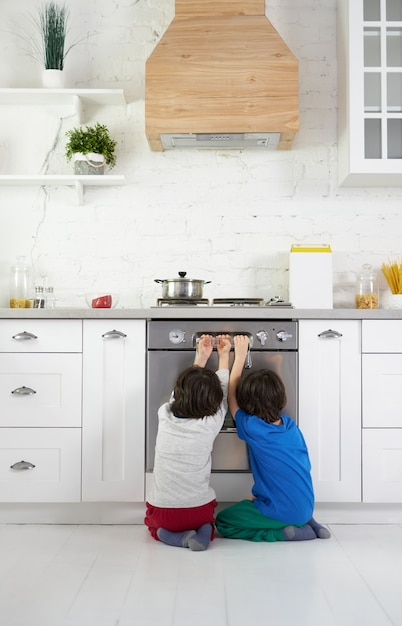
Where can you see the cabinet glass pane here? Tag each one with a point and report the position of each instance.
(372, 139)
(372, 91)
(394, 10)
(394, 136)
(394, 92)
(394, 47)
(371, 10)
(372, 47)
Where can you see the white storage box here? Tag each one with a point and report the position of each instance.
(310, 276)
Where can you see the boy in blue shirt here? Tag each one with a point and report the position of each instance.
(281, 508)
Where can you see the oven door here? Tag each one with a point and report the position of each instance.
(229, 452)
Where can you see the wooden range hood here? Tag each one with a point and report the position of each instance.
(221, 76)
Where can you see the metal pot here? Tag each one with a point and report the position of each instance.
(182, 288)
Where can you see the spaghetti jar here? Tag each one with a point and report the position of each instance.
(20, 285)
(367, 288)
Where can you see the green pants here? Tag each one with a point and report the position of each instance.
(244, 521)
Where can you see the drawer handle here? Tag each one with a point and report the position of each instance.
(330, 334)
(22, 465)
(24, 336)
(23, 391)
(114, 334)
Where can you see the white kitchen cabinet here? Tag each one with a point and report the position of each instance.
(370, 92)
(114, 411)
(382, 410)
(40, 410)
(330, 406)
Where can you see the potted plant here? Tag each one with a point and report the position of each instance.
(51, 48)
(92, 148)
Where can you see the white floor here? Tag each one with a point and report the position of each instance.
(53, 575)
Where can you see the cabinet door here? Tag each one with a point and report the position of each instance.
(40, 465)
(369, 89)
(330, 406)
(114, 410)
(382, 465)
(381, 390)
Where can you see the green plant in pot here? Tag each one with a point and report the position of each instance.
(48, 43)
(91, 147)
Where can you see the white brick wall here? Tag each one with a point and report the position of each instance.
(228, 217)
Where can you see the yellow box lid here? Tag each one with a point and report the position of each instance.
(310, 247)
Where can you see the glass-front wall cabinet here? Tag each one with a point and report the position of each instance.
(370, 93)
(382, 45)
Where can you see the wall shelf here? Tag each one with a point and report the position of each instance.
(57, 180)
(77, 98)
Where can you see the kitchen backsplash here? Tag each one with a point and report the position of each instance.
(225, 217)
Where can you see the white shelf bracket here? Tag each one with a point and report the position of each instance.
(79, 188)
(78, 108)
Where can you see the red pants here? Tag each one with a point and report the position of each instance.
(177, 520)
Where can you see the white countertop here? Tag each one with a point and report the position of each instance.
(194, 312)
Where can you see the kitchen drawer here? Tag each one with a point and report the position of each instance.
(382, 336)
(381, 390)
(55, 454)
(40, 335)
(49, 390)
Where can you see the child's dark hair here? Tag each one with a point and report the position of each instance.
(262, 393)
(197, 393)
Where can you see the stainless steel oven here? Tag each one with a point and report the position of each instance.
(171, 348)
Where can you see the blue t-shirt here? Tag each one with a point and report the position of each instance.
(281, 467)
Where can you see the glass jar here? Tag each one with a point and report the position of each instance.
(20, 285)
(367, 293)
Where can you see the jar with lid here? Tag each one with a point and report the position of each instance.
(367, 293)
(20, 285)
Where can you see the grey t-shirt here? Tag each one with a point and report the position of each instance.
(183, 456)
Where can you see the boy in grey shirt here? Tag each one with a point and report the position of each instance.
(180, 510)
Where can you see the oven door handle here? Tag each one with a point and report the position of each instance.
(197, 336)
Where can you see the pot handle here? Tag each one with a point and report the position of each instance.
(158, 280)
(206, 282)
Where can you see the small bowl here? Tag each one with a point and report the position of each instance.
(102, 300)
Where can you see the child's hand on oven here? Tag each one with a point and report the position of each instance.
(223, 344)
(204, 350)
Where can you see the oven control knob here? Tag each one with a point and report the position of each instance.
(177, 336)
(283, 335)
(262, 336)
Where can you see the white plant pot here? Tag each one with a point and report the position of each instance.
(91, 163)
(53, 79)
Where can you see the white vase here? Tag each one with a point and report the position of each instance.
(53, 79)
(395, 301)
(91, 163)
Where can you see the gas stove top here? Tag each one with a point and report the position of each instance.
(223, 302)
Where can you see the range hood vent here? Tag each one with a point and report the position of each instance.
(265, 141)
(221, 77)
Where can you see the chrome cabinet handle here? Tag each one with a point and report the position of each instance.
(114, 334)
(329, 334)
(24, 336)
(22, 465)
(23, 391)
